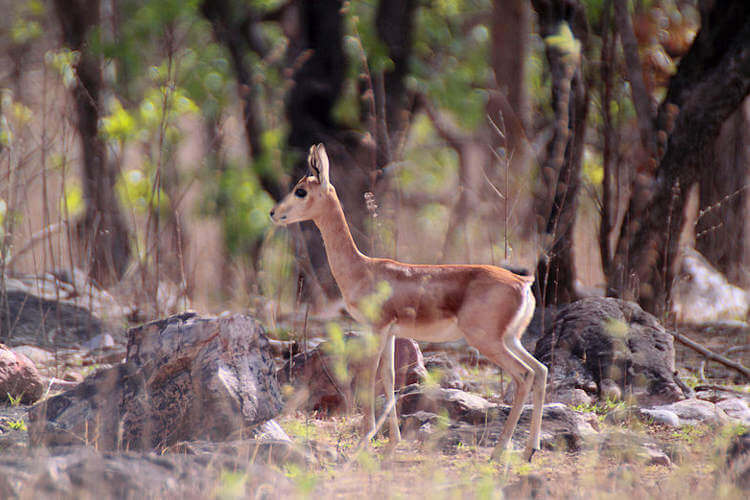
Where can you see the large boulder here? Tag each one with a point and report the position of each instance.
(49, 312)
(609, 347)
(472, 420)
(327, 380)
(19, 378)
(184, 378)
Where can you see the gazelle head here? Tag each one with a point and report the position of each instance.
(305, 200)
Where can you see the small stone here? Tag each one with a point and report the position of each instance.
(664, 417)
(19, 377)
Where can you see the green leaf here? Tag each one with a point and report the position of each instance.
(565, 42)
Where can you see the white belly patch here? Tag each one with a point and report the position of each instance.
(445, 330)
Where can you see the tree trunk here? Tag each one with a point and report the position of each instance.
(102, 230)
(711, 82)
(317, 85)
(723, 230)
(562, 165)
(394, 22)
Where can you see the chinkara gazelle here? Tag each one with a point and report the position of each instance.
(488, 306)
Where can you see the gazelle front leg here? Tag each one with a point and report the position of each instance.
(387, 346)
(389, 377)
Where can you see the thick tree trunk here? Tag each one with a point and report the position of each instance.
(712, 81)
(102, 230)
(395, 26)
(562, 165)
(723, 230)
(317, 86)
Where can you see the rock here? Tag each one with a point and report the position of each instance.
(100, 342)
(29, 319)
(563, 429)
(609, 347)
(575, 397)
(695, 411)
(448, 372)
(58, 385)
(13, 435)
(266, 451)
(420, 425)
(409, 363)
(627, 447)
(83, 472)
(663, 417)
(702, 294)
(19, 377)
(459, 405)
(185, 378)
(736, 409)
(37, 355)
(321, 387)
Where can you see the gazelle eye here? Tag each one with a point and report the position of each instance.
(300, 193)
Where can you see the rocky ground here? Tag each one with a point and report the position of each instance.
(200, 407)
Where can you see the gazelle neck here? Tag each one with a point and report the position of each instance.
(344, 258)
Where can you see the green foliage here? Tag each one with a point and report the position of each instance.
(63, 61)
(601, 408)
(592, 169)
(71, 203)
(14, 116)
(231, 485)
(14, 400)
(235, 195)
(17, 425)
(449, 66)
(136, 190)
(304, 480)
(566, 43)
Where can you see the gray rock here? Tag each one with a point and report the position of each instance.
(737, 409)
(628, 447)
(185, 378)
(563, 429)
(695, 411)
(83, 472)
(609, 347)
(664, 417)
(29, 319)
(459, 405)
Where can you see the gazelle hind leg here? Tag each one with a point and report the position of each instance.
(539, 388)
(368, 421)
(523, 378)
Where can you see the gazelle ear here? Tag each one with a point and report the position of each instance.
(317, 161)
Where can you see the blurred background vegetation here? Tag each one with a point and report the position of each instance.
(145, 141)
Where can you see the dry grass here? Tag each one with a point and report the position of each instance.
(422, 470)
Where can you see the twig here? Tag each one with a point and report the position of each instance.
(710, 354)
